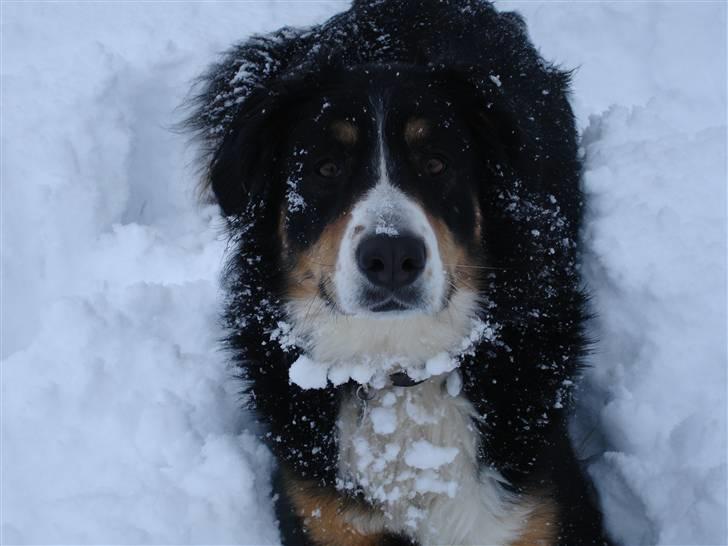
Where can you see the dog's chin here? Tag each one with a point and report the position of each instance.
(417, 332)
(388, 304)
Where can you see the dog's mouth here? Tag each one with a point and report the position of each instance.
(377, 301)
(389, 306)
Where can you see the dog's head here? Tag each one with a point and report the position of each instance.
(386, 187)
(375, 177)
(396, 180)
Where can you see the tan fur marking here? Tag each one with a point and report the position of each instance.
(326, 515)
(416, 129)
(317, 263)
(345, 132)
(461, 270)
(542, 526)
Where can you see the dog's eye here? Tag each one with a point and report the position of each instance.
(435, 166)
(328, 169)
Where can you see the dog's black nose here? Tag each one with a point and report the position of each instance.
(391, 262)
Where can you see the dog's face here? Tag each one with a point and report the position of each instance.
(380, 225)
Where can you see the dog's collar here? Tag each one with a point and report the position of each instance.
(401, 379)
(397, 379)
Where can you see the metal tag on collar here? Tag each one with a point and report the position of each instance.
(363, 393)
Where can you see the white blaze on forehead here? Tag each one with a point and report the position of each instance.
(387, 210)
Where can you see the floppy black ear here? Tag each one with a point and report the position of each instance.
(497, 130)
(238, 115)
(242, 165)
(487, 110)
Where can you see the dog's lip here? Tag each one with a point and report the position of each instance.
(389, 305)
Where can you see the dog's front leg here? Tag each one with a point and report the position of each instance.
(310, 515)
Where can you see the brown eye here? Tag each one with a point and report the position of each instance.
(435, 166)
(328, 169)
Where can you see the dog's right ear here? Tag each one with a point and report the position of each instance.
(238, 116)
(241, 166)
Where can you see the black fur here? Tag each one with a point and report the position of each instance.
(522, 386)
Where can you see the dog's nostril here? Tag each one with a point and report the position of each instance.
(375, 265)
(391, 262)
(408, 265)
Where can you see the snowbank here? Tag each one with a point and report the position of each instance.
(658, 248)
(650, 91)
(119, 423)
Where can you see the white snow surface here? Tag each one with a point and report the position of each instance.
(120, 422)
(425, 455)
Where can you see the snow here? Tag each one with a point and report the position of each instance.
(373, 369)
(454, 384)
(120, 421)
(429, 481)
(284, 336)
(661, 363)
(384, 420)
(386, 230)
(295, 200)
(425, 455)
(120, 424)
(308, 374)
(440, 363)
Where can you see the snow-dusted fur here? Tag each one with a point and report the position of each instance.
(348, 338)
(392, 448)
(491, 450)
(351, 333)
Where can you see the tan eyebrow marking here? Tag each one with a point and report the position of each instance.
(416, 129)
(345, 131)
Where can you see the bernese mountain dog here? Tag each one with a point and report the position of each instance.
(401, 188)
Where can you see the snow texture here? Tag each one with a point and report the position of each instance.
(308, 374)
(375, 370)
(424, 455)
(120, 421)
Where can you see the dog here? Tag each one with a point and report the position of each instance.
(401, 187)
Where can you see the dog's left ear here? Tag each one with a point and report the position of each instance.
(492, 122)
(497, 130)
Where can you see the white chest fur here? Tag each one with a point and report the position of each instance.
(413, 452)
